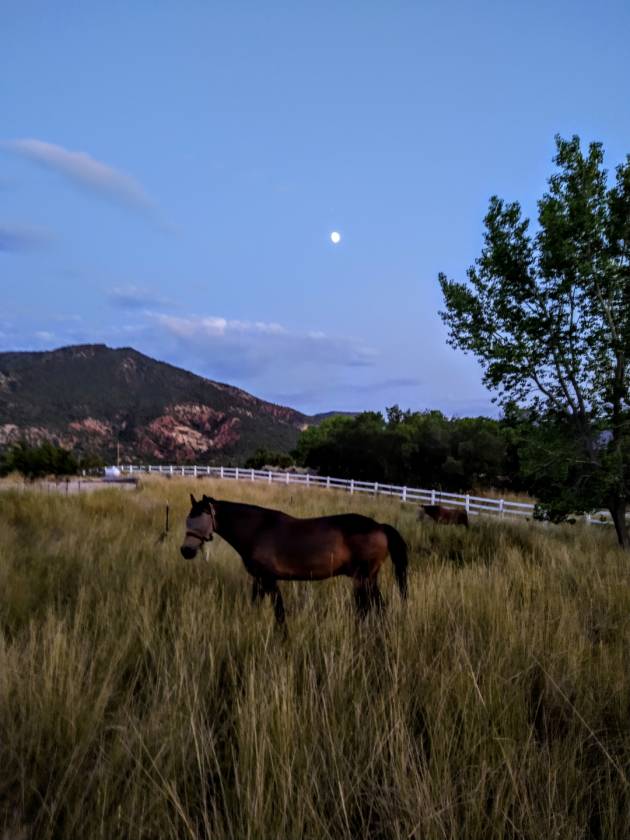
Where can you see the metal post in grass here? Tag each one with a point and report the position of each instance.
(252, 475)
(404, 494)
(328, 482)
(164, 533)
(352, 485)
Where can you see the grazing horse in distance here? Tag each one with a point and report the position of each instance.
(275, 546)
(439, 513)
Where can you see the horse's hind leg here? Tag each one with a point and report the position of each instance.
(374, 596)
(361, 601)
(367, 596)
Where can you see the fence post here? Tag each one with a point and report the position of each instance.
(376, 488)
(467, 503)
(432, 497)
(182, 470)
(221, 473)
(252, 475)
(195, 470)
(171, 470)
(288, 478)
(269, 477)
(308, 477)
(328, 482)
(588, 519)
(352, 485)
(404, 494)
(236, 473)
(501, 508)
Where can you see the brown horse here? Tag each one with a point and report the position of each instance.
(275, 546)
(438, 513)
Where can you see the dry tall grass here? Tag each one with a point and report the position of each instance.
(142, 697)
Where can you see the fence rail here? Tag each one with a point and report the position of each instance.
(474, 505)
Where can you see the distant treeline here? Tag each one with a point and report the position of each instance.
(423, 449)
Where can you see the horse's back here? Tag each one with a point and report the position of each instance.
(320, 547)
(351, 523)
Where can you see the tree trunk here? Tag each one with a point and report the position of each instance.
(618, 513)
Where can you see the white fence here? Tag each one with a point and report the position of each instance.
(473, 504)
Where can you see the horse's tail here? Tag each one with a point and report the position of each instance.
(398, 552)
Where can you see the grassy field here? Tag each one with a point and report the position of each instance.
(141, 696)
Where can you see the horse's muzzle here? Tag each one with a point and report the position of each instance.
(188, 552)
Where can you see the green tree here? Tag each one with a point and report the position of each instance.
(266, 457)
(548, 316)
(422, 449)
(38, 461)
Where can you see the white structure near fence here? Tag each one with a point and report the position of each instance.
(472, 504)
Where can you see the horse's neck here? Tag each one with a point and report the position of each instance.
(237, 524)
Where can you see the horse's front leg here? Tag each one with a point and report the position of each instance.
(271, 589)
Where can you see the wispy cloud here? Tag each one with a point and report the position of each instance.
(23, 238)
(257, 349)
(136, 297)
(82, 170)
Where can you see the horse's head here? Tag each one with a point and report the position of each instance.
(200, 525)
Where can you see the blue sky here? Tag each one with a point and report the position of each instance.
(170, 174)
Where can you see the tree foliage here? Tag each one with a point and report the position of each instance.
(548, 316)
(409, 448)
(268, 458)
(38, 461)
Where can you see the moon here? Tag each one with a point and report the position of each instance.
(335, 237)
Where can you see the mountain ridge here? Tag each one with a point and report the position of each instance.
(91, 397)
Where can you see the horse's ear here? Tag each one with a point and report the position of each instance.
(192, 499)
